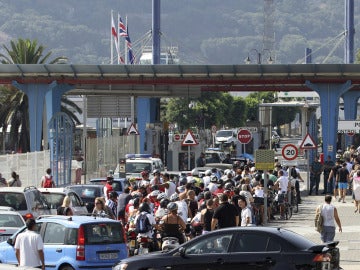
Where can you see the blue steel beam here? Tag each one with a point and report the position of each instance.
(329, 100)
(350, 110)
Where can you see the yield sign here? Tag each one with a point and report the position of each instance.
(189, 139)
(132, 130)
(308, 142)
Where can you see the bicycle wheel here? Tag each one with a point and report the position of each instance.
(294, 204)
(288, 211)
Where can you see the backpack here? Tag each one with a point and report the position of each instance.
(48, 182)
(293, 173)
(319, 220)
(143, 224)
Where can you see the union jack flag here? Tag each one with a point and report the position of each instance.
(122, 28)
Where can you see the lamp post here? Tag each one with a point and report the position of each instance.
(259, 56)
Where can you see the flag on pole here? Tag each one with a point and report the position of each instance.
(129, 46)
(122, 28)
(115, 35)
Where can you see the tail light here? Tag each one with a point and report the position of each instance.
(326, 257)
(27, 216)
(80, 249)
(144, 240)
(132, 235)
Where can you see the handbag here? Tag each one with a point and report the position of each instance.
(319, 220)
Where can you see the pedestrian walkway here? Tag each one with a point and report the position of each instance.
(303, 223)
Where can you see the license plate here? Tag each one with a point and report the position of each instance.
(132, 243)
(325, 266)
(108, 256)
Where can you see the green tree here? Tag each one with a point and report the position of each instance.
(14, 109)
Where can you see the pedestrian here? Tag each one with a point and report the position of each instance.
(328, 165)
(246, 216)
(108, 188)
(14, 181)
(200, 161)
(112, 203)
(3, 182)
(47, 180)
(333, 185)
(356, 190)
(342, 179)
(101, 209)
(330, 216)
(316, 169)
(65, 208)
(283, 186)
(78, 169)
(226, 215)
(123, 200)
(29, 247)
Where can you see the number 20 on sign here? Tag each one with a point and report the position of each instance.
(290, 152)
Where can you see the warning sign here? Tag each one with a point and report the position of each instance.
(189, 139)
(132, 130)
(308, 142)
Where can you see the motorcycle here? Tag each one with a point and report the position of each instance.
(169, 243)
(131, 237)
(143, 245)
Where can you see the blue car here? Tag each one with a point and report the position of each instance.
(75, 242)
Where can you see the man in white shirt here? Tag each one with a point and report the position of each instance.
(29, 247)
(246, 216)
(283, 185)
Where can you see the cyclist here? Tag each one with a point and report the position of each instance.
(282, 185)
(294, 174)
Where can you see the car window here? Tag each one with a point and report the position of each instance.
(37, 201)
(75, 201)
(251, 242)
(15, 221)
(14, 200)
(54, 233)
(213, 244)
(117, 186)
(103, 233)
(54, 200)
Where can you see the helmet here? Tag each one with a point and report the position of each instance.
(195, 172)
(144, 207)
(164, 202)
(172, 206)
(208, 172)
(213, 179)
(156, 171)
(258, 177)
(228, 186)
(155, 193)
(183, 181)
(161, 196)
(174, 197)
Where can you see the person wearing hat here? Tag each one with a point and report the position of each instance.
(29, 247)
(108, 187)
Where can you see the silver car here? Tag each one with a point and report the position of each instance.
(10, 222)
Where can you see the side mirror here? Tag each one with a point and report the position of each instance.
(10, 242)
(182, 251)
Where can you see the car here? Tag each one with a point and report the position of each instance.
(55, 197)
(118, 184)
(242, 248)
(214, 155)
(75, 242)
(136, 163)
(28, 201)
(10, 222)
(226, 138)
(88, 193)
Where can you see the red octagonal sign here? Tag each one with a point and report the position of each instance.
(244, 136)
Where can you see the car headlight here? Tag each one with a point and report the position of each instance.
(121, 266)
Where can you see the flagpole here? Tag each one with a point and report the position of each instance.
(126, 49)
(111, 40)
(118, 36)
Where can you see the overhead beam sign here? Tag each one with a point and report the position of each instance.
(345, 126)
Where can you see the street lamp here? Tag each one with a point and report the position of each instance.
(259, 56)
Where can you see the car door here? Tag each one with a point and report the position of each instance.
(253, 250)
(54, 243)
(77, 204)
(205, 254)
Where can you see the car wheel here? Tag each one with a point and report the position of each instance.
(66, 267)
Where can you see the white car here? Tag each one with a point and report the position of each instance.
(10, 222)
(55, 197)
(225, 137)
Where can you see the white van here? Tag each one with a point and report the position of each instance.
(225, 137)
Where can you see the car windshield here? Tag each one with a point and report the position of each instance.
(224, 133)
(14, 200)
(137, 167)
(14, 221)
(103, 233)
(54, 200)
(87, 192)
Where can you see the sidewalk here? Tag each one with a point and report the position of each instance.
(303, 223)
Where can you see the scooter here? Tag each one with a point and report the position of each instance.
(169, 243)
(131, 236)
(143, 244)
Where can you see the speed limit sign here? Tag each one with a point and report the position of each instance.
(289, 152)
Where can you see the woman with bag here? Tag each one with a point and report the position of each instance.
(330, 216)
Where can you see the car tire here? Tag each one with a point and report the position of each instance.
(66, 267)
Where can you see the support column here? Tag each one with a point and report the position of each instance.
(350, 110)
(329, 100)
(36, 95)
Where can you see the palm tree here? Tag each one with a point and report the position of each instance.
(14, 103)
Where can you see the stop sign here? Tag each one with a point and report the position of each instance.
(244, 136)
(177, 137)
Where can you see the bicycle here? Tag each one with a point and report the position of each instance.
(294, 200)
(288, 211)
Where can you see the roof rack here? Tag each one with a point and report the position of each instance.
(29, 188)
(69, 218)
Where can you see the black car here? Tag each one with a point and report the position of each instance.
(247, 248)
(88, 193)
